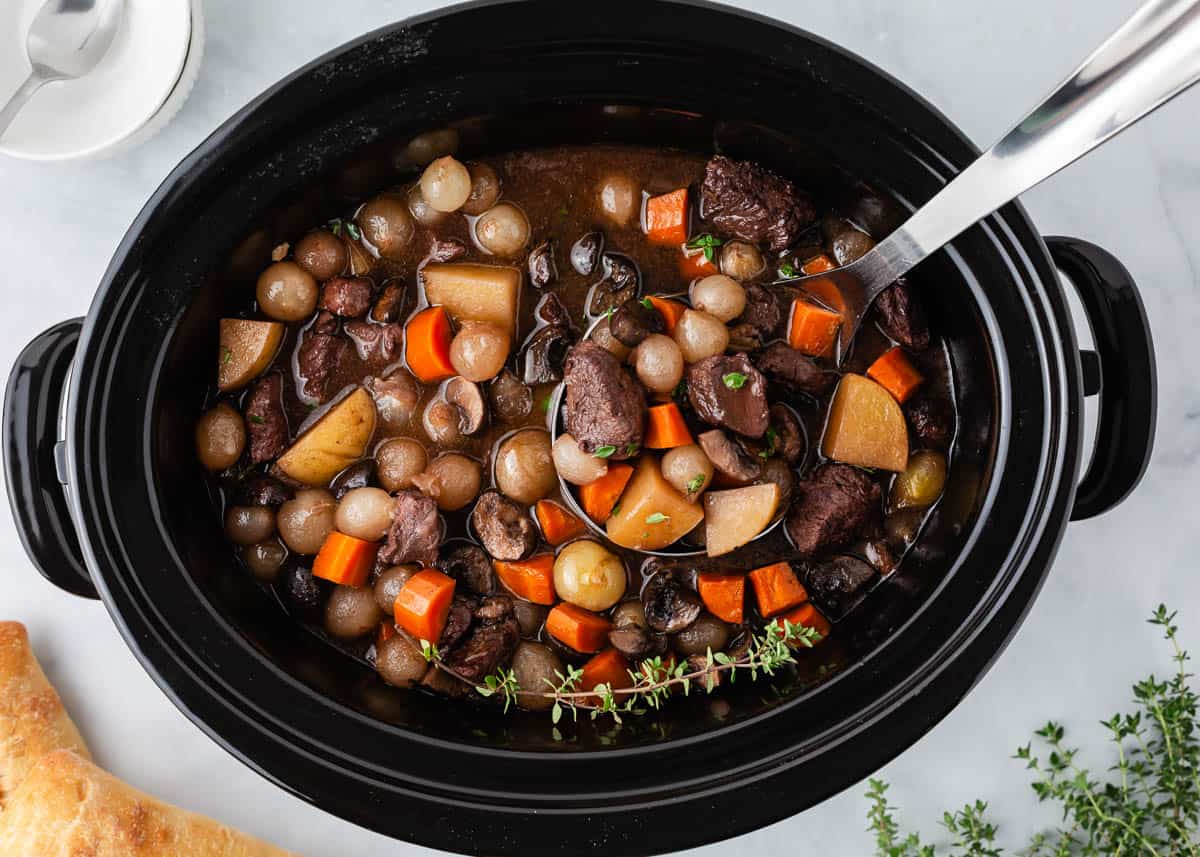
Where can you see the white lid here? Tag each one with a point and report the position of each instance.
(93, 114)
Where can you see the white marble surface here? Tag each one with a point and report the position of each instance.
(982, 63)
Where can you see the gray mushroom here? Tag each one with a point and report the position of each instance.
(468, 398)
(728, 457)
(670, 606)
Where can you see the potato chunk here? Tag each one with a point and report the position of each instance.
(651, 514)
(488, 293)
(247, 349)
(338, 439)
(866, 427)
(734, 517)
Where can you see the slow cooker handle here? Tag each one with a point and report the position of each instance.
(1128, 387)
(33, 458)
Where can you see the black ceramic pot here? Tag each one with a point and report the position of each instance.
(118, 509)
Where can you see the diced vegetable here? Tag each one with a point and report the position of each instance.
(423, 604)
(580, 629)
(813, 330)
(666, 428)
(921, 482)
(670, 310)
(427, 339)
(589, 575)
(651, 514)
(896, 374)
(598, 498)
(345, 559)
(819, 264)
(338, 439)
(693, 264)
(469, 292)
(608, 668)
(865, 426)
(776, 588)
(667, 217)
(247, 349)
(736, 516)
(531, 579)
(724, 595)
(558, 525)
(807, 616)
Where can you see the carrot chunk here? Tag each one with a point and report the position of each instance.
(344, 559)
(819, 264)
(610, 668)
(666, 217)
(427, 345)
(693, 265)
(558, 525)
(423, 604)
(776, 588)
(666, 428)
(531, 579)
(809, 617)
(670, 310)
(895, 373)
(812, 330)
(580, 629)
(724, 595)
(599, 497)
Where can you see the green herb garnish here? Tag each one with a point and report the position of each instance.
(787, 271)
(546, 405)
(335, 226)
(695, 483)
(429, 650)
(604, 451)
(352, 230)
(680, 390)
(631, 449)
(256, 419)
(657, 518)
(735, 380)
(226, 356)
(772, 437)
(647, 303)
(706, 243)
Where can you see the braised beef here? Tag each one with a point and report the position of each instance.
(545, 354)
(440, 681)
(606, 407)
(832, 506)
(266, 423)
(550, 310)
(470, 566)
(931, 420)
(390, 303)
(361, 474)
(633, 321)
(727, 391)
(495, 608)
(542, 270)
(762, 313)
(585, 253)
(741, 198)
(789, 441)
(622, 281)
(902, 316)
(263, 491)
(348, 297)
(415, 530)
(728, 457)
(446, 250)
(785, 364)
(838, 584)
(380, 342)
(488, 646)
(670, 606)
(504, 527)
(321, 351)
(458, 621)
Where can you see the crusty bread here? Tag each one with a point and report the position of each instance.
(67, 807)
(33, 721)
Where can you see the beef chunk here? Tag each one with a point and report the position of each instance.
(542, 270)
(790, 442)
(728, 457)
(550, 309)
(504, 527)
(415, 530)
(376, 341)
(743, 199)
(495, 608)
(263, 491)
(838, 584)
(605, 405)
(762, 313)
(440, 681)
(469, 565)
(348, 297)
(634, 321)
(931, 419)
(321, 351)
(458, 621)
(729, 392)
(832, 506)
(902, 316)
(446, 250)
(787, 365)
(266, 421)
(390, 303)
(490, 645)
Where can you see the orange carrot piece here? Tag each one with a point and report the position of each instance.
(423, 604)
(812, 330)
(580, 629)
(666, 217)
(724, 595)
(427, 345)
(344, 559)
(610, 668)
(531, 579)
(693, 265)
(808, 616)
(820, 264)
(558, 525)
(666, 428)
(670, 310)
(599, 497)
(776, 588)
(387, 630)
(896, 374)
